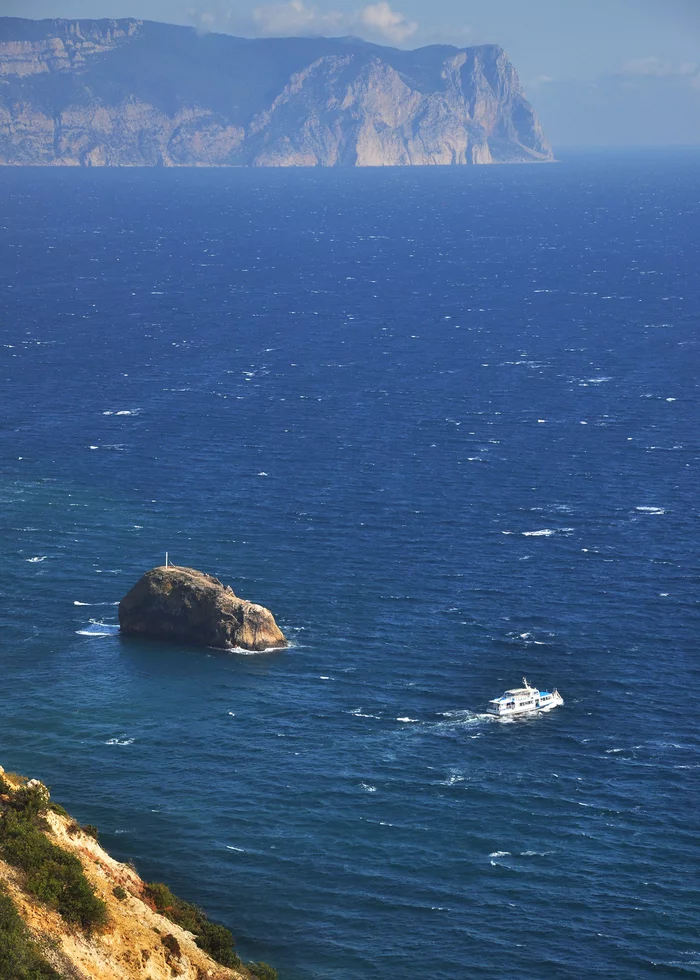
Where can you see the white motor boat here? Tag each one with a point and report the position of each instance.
(525, 700)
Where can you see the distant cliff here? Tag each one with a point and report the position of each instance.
(136, 93)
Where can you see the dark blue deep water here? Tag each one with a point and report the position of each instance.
(445, 424)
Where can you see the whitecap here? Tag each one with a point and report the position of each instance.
(230, 847)
(407, 719)
(232, 713)
(547, 532)
(76, 603)
(499, 854)
(119, 741)
(97, 628)
(368, 788)
(651, 510)
(40, 558)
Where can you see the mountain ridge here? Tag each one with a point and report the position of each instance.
(140, 93)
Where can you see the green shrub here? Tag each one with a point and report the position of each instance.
(30, 800)
(91, 830)
(214, 939)
(263, 971)
(19, 957)
(119, 893)
(5, 786)
(57, 808)
(53, 875)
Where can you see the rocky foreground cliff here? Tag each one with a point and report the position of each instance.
(137, 93)
(69, 911)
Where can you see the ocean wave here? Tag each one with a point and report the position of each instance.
(499, 854)
(547, 532)
(37, 559)
(406, 719)
(650, 510)
(122, 740)
(97, 628)
(368, 788)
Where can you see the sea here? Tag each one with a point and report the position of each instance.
(445, 424)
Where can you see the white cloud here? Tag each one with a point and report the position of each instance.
(295, 18)
(657, 68)
(380, 18)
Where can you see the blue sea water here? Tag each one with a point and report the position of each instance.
(445, 424)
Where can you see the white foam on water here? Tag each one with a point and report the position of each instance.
(249, 653)
(650, 510)
(96, 628)
(547, 532)
(119, 741)
(232, 714)
(407, 719)
(359, 714)
(368, 788)
(93, 447)
(38, 558)
(230, 847)
(76, 603)
(452, 780)
(499, 854)
(263, 473)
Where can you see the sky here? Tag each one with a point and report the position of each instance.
(568, 52)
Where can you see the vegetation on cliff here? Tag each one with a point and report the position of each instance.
(20, 958)
(52, 875)
(67, 909)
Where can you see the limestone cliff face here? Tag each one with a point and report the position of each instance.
(133, 93)
(182, 604)
(136, 943)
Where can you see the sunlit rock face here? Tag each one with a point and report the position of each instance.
(133, 93)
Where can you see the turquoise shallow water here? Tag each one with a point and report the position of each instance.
(445, 425)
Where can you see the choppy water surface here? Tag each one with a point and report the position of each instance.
(445, 424)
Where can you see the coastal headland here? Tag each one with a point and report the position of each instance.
(133, 93)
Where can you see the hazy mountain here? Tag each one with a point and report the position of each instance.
(134, 93)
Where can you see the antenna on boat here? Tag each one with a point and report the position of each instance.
(525, 683)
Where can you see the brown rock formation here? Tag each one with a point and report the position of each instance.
(174, 603)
